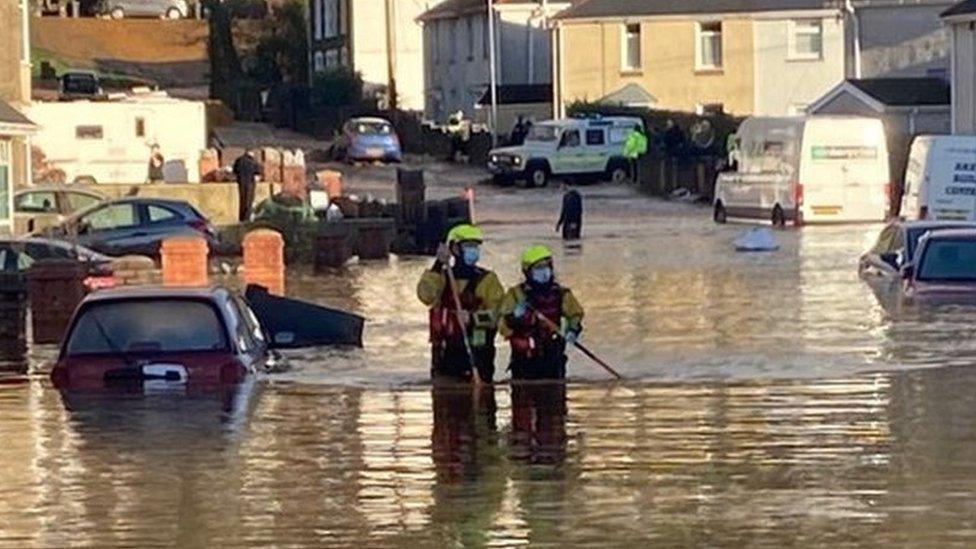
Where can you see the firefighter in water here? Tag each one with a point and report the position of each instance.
(539, 317)
(479, 293)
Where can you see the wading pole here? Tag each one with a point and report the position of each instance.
(579, 346)
(475, 376)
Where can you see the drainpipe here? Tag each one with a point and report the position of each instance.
(493, 77)
(849, 8)
(530, 54)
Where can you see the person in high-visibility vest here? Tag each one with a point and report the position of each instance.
(635, 146)
(480, 293)
(539, 317)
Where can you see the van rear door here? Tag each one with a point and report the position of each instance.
(844, 171)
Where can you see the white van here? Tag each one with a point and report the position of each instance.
(568, 147)
(940, 180)
(814, 169)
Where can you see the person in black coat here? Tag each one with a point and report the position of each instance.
(245, 169)
(571, 216)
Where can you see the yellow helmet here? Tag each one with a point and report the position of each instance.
(465, 233)
(534, 254)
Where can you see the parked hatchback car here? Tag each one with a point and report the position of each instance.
(368, 139)
(896, 245)
(37, 208)
(170, 9)
(134, 226)
(161, 338)
(19, 254)
(944, 268)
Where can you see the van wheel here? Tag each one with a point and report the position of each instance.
(618, 174)
(174, 13)
(117, 13)
(720, 216)
(779, 218)
(537, 175)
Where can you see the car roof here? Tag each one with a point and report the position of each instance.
(208, 293)
(933, 224)
(370, 119)
(951, 233)
(58, 188)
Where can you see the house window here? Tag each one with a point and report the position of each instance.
(470, 36)
(88, 132)
(331, 59)
(631, 47)
(485, 45)
(806, 39)
(452, 42)
(709, 45)
(331, 18)
(318, 62)
(140, 126)
(317, 17)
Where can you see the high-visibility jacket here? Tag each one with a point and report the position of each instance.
(556, 303)
(480, 293)
(635, 145)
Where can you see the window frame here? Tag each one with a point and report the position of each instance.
(89, 132)
(596, 131)
(700, 35)
(625, 36)
(794, 29)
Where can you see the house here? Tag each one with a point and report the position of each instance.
(380, 39)
(961, 20)
(907, 107)
(767, 57)
(15, 84)
(457, 51)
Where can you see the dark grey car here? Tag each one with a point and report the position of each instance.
(134, 226)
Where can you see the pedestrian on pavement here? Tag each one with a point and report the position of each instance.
(539, 317)
(156, 162)
(635, 146)
(571, 215)
(479, 292)
(245, 170)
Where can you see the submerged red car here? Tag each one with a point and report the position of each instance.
(944, 269)
(161, 338)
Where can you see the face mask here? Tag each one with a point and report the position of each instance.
(542, 275)
(470, 255)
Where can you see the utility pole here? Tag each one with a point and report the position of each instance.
(493, 77)
(391, 87)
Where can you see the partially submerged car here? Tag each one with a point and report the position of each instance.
(160, 336)
(183, 339)
(20, 254)
(896, 246)
(944, 268)
(367, 138)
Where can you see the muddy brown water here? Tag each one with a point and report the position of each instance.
(771, 401)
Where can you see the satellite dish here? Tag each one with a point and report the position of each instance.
(702, 134)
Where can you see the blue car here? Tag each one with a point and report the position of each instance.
(133, 226)
(367, 139)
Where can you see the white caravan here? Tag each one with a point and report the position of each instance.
(110, 141)
(814, 169)
(940, 180)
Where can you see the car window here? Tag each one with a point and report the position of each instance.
(147, 325)
(80, 201)
(542, 132)
(571, 138)
(158, 214)
(950, 260)
(114, 216)
(36, 202)
(595, 137)
(40, 250)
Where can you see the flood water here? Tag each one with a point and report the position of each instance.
(772, 400)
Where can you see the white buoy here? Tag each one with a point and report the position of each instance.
(759, 239)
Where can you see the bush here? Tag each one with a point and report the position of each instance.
(337, 87)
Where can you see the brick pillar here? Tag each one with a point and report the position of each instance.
(133, 270)
(332, 181)
(184, 261)
(264, 260)
(55, 287)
